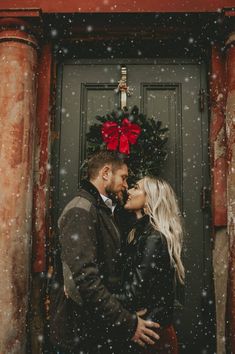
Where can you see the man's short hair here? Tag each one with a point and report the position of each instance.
(102, 158)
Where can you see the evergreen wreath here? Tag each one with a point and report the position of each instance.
(140, 139)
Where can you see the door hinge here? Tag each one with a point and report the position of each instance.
(202, 100)
(55, 135)
(205, 197)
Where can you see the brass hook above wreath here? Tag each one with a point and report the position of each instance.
(123, 88)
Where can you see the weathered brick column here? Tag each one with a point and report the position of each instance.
(219, 189)
(18, 64)
(230, 130)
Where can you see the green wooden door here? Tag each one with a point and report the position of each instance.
(169, 91)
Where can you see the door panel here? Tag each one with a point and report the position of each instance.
(83, 96)
(163, 101)
(169, 92)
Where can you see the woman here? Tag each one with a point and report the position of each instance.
(152, 259)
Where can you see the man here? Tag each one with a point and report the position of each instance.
(90, 249)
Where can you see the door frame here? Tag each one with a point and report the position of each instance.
(208, 274)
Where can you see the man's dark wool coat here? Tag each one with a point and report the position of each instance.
(91, 319)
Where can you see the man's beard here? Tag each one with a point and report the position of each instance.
(112, 195)
(124, 197)
(118, 197)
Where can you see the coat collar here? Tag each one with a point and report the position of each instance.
(93, 191)
(142, 224)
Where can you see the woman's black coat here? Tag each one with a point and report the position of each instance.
(148, 276)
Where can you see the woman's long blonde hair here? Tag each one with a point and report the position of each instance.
(162, 207)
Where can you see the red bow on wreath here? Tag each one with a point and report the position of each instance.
(120, 135)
